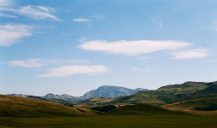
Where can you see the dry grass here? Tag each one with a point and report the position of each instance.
(189, 105)
(21, 107)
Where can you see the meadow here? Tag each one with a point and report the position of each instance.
(108, 121)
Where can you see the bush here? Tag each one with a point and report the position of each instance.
(211, 107)
(106, 108)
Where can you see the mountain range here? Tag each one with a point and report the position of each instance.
(106, 91)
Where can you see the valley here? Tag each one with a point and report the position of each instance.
(191, 104)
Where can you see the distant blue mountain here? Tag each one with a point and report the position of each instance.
(102, 91)
(111, 91)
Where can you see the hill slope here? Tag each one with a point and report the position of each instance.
(164, 95)
(142, 109)
(211, 91)
(168, 93)
(27, 107)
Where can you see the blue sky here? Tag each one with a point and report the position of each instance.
(73, 46)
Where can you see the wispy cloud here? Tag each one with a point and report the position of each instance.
(30, 63)
(35, 12)
(75, 69)
(132, 47)
(158, 22)
(82, 39)
(81, 20)
(145, 70)
(6, 2)
(190, 54)
(46, 9)
(38, 12)
(6, 15)
(9, 34)
(27, 63)
(98, 17)
(60, 61)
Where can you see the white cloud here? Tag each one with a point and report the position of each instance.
(144, 70)
(190, 54)
(30, 63)
(10, 33)
(132, 47)
(81, 20)
(75, 69)
(35, 12)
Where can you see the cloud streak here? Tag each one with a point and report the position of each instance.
(10, 33)
(190, 54)
(81, 20)
(35, 12)
(74, 70)
(30, 63)
(131, 48)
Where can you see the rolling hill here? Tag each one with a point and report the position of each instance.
(209, 91)
(171, 93)
(13, 106)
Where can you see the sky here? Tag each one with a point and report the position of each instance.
(74, 46)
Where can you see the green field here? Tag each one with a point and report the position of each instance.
(184, 121)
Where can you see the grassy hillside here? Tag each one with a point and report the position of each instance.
(142, 109)
(164, 95)
(170, 93)
(185, 87)
(211, 90)
(201, 102)
(26, 107)
(203, 105)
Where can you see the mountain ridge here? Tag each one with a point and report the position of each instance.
(109, 91)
